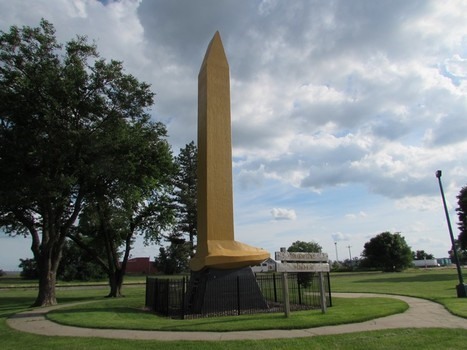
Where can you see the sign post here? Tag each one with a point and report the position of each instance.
(285, 293)
(322, 293)
(302, 262)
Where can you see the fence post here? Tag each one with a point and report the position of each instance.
(275, 287)
(183, 299)
(285, 292)
(299, 291)
(146, 298)
(322, 293)
(156, 292)
(238, 295)
(168, 296)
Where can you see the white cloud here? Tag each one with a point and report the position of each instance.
(283, 214)
(338, 237)
(353, 216)
(266, 6)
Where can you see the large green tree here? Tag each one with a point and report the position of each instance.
(421, 254)
(174, 258)
(462, 216)
(305, 247)
(109, 225)
(130, 199)
(387, 251)
(59, 108)
(186, 190)
(305, 278)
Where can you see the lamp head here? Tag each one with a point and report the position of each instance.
(438, 173)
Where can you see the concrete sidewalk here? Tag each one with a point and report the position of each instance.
(421, 314)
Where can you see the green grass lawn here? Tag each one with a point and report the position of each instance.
(438, 285)
(15, 281)
(434, 285)
(126, 313)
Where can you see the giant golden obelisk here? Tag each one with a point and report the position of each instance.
(216, 247)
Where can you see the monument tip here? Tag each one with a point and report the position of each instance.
(215, 52)
(217, 38)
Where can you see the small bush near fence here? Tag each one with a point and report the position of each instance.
(168, 296)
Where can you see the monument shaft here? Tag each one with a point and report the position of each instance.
(216, 247)
(215, 202)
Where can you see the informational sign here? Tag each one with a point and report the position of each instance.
(302, 262)
(302, 267)
(306, 257)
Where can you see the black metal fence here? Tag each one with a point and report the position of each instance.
(168, 296)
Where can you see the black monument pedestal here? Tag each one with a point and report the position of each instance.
(223, 291)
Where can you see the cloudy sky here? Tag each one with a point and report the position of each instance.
(342, 111)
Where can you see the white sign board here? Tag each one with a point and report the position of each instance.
(302, 262)
(308, 257)
(302, 267)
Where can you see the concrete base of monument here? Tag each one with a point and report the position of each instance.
(215, 291)
(226, 254)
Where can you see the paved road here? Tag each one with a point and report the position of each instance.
(421, 314)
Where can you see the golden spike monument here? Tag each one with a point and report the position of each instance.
(216, 247)
(221, 275)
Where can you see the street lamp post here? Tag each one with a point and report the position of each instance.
(461, 287)
(337, 256)
(350, 257)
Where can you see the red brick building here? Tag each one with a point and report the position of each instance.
(141, 266)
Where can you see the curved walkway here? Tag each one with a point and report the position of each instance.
(421, 314)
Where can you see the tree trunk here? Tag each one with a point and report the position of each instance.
(115, 282)
(47, 279)
(46, 295)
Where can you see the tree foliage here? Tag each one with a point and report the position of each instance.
(67, 122)
(305, 278)
(461, 254)
(421, 255)
(77, 265)
(462, 216)
(387, 251)
(28, 269)
(347, 265)
(305, 247)
(174, 258)
(137, 204)
(185, 193)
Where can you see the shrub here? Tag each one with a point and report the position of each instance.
(29, 269)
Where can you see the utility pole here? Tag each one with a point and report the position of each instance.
(337, 256)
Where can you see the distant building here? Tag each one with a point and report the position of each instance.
(444, 261)
(268, 265)
(426, 263)
(141, 266)
(432, 262)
